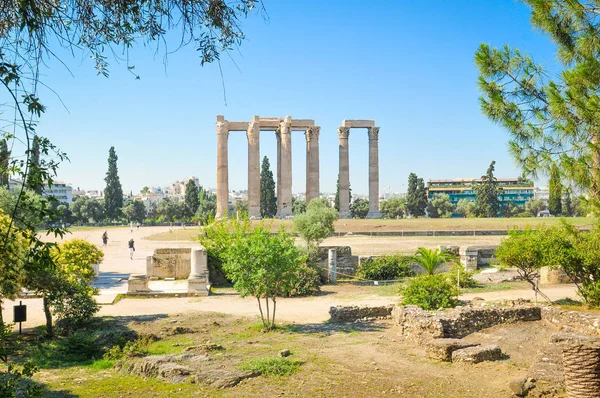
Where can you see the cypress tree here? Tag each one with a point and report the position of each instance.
(4, 163)
(488, 201)
(268, 200)
(113, 193)
(191, 199)
(416, 196)
(33, 178)
(555, 194)
(336, 201)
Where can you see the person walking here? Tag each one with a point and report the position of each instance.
(131, 249)
(104, 238)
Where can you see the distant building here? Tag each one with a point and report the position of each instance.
(515, 190)
(542, 194)
(60, 191)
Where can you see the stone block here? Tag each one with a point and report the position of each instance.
(137, 283)
(477, 354)
(553, 276)
(442, 349)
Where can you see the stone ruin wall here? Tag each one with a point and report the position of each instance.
(347, 264)
(169, 263)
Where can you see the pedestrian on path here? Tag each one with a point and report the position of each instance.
(131, 227)
(131, 249)
(104, 238)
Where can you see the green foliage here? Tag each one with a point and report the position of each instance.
(268, 200)
(135, 210)
(4, 163)
(316, 224)
(139, 347)
(75, 258)
(359, 208)
(12, 264)
(393, 208)
(298, 207)
(430, 292)
(191, 199)
(308, 282)
(431, 259)
(241, 207)
(534, 206)
(555, 194)
(336, 201)
(170, 210)
(207, 206)
(388, 267)
(550, 120)
(14, 382)
(85, 210)
(34, 165)
(113, 192)
(488, 201)
(461, 278)
(73, 304)
(440, 206)
(272, 366)
(416, 196)
(466, 208)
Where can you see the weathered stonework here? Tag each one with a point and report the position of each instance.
(169, 263)
(357, 313)
(477, 354)
(347, 264)
(442, 349)
(137, 283)
(472, 257)
(553, 276)
(572, 321)
(421, 326)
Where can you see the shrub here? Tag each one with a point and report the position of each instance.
(308, 282)
(272, 366)
(73, 304)
(75, 258)
(79, 345)
(385, 268)
(135, 348)
(430, 292)
(459, 274)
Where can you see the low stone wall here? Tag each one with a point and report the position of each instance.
(357, 313)
(572, 321)
(420, 325)
(473, 257)
(347, 264)
(169, 263)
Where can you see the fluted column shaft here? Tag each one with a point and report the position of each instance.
(344, 173)
(374, 173)
(222, 168)
(286, 168)
(312, 163)
(278, 136)
(253, 134)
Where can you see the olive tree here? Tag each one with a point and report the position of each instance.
(316, 223)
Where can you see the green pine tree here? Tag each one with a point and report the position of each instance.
(488, 192)
(33, 177)
(268, 200)
(555, 188)
(191, 199)
(416, 196)
(568, 205)
(4, 163)
(113, 193)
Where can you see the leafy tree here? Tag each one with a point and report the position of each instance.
(466, 208)
(430, 292)
(510, 209)
(265, 266)
(207, 206)
(488, 201)
(393, 208)
(555, 188)
(298, 207)
(550, 120)
(135, 210)
(85, 210)
(431, 259)
(440, 206)
(241, 207)
(146, 190)
(113, 193)
(316, 223)
(24, 218)
(191, 199)
(4, 163)
(359, 208)
(416, 196)
(12, 261)
(534, 206)
(33, 179)
(170, 210)
(268, 200)
(568, 209)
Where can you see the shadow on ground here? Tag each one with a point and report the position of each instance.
(331, 327)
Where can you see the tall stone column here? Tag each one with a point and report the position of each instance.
(222, 168)
(278, 137)
(343, 133)
(286, 168)
(373, 173)
(253, 134)
(312, 163)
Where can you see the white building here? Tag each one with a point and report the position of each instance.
(542, 193)
(60, 191)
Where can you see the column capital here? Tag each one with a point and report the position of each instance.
(373, 133)
(253, 132)
(312, 133)
(343, 132)
(223, 127)
(285, 127)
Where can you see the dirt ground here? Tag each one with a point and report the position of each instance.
(337, 360)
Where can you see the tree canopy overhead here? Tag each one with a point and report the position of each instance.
(550, 120)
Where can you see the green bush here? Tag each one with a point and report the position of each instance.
(430, 292)
(385, 268)
(272, 366)
(465, 278)
(308, 282)
(73, 304)
(80, 345)
(135, 348)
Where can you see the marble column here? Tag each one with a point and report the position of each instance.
(253, 135)
(278, 190)
(286, 168)
(312, 163)
(198, 280)
(222, 168)
(373, 173)
(344, 175)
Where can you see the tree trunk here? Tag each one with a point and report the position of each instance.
(268, 317)
(582, 371)
(49, 328)
(1, 319)
(274, 307)
(262, 317)
(595, 172)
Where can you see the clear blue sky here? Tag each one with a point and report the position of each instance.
(407, 64)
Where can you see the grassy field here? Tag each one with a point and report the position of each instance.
(408, 224)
